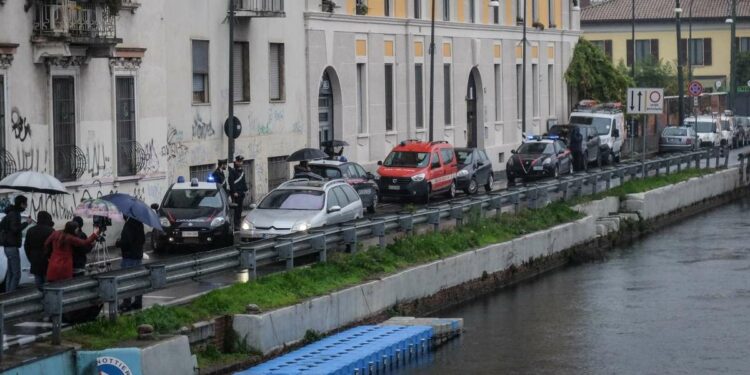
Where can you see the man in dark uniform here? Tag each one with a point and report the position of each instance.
(237, 189)
(219, 174)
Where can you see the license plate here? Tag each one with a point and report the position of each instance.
(192, 234)
(394, 187)
(674, 140)
(363, 191)
(538, 168)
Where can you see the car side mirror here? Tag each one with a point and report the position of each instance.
(253, 206)
(334, 209)
(513, 152)
(380, 162)
(590, 137)
(480, 163)
(155, 206)
(370, 176)
(616, 133)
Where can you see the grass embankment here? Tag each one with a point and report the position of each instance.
(342, 270)
(641, 186)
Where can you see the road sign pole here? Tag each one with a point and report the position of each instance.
(643, 151)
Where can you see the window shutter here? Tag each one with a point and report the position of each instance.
(655, 49)
(683, 51)
(200, 56)
(237, 76)
(276, 71)
(630, 52)
(707, 53)
(608, 49)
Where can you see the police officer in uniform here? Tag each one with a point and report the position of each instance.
(219, 174)
(237, 189)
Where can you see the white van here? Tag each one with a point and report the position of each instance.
(708, 129)
(610, 124)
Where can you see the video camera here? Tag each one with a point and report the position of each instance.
(102, 222)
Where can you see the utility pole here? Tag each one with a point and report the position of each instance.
(690, 42)
(432, 75)
(632, 37)
(680, 77)
(230, 96)
(733, 68)
(523, 86)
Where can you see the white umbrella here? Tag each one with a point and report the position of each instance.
(33, 182)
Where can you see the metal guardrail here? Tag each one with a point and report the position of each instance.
(58, 298)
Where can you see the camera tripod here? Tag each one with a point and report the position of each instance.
(101, 254)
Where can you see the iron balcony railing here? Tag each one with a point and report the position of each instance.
(109, 287)
(7, 163)
(77, 19)
(268, 8)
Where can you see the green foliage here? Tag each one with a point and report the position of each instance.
(592, 76)
(743, 68)
(658, 74)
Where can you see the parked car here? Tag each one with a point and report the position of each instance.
(354, 175)
(194, 215)
(418, 169)
(609, 122)
(299, 205)
(539, 158)
(743, 128)
(708, 129)
(583, 142)
(728, 130)
(475, 170)
(26, 276)
(677, 138)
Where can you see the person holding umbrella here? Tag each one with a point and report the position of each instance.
(131, 244)
(12, 227)
(34, 246)
(238, 189)
(62, 243)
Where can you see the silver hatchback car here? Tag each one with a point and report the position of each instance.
(677, 138)
(299, 205)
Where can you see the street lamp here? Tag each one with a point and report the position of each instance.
(733, 63)
(523, 79)
(432, 74)
(680, 78)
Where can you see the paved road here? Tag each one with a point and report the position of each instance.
(27, 331)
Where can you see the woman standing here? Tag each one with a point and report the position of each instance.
(36, 252)
(62, 243)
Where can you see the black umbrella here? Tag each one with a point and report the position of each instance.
(334, 143)
(307, 154)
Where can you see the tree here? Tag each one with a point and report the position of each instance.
(743, 68)
(657, 74)
(592, 76)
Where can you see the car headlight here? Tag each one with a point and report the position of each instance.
(246, 225)
(164, 222)
(218, 221)
(418, 178)
(463, 173)
(300, 227)
(547, 161)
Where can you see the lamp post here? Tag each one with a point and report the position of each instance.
(690, 42)
(680, 78)
(733, 63)
(230, 148)
(432, 74)
(632, 36)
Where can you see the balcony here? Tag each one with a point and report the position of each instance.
(260, 8)
(85, 23)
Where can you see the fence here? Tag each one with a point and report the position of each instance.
(109, 287)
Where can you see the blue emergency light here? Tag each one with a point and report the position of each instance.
(210, 178)
(180, 179)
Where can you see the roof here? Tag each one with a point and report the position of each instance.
(201, 186)
(660, 10)
(301, 183)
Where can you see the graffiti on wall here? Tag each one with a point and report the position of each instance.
(99, 164)
(148, 158)
(274, 117)
(32, 159)
(20, 128)
(202, 129)
(174, 149)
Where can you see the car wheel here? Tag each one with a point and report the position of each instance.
(490, 182)
(473, 187)
(374, 205)
(452, 190)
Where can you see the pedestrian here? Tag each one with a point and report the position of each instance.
(36, 252)
(220, 174)
(80, 253)
(132, 239)
(62, 243)
(11, 231)
(302, 168)
(237, 188)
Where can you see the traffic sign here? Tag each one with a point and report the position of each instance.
(237, 127)
(695, 88)
(645, 101)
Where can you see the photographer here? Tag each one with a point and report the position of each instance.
(80, 252)
(131, 244)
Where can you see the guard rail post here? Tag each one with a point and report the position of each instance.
(496, 202)
(594, 181)
(285, 249)
(158, 275)
(248, 261)
(669, 165)
(53, 307)
(679, 164)
(349, 235)
(659, 164)
(708, 157)
(2, 330)
(378, 230)
(475, 212)
(457, 213)
(718, 155)
(318, 244)
(608, 175)
(433, 218)
(531, 197)
(406, 223)
(741, 159)
(726, 159)
(516, 201)
(108, 293)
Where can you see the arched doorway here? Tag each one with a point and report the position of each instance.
(474, 111)
(329, 107)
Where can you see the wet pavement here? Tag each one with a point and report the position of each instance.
(677, 302)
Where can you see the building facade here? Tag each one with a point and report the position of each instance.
(128, 99)
(705, 38)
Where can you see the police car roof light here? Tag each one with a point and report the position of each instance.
(193, 182)
(210, 178)
(180, 179)
(552, 137)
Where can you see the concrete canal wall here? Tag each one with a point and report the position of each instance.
(274, 330)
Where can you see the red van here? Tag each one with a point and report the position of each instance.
(418, 169)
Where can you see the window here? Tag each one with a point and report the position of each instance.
(535, 10)
(743, 44)
(389, 99)
(292, 199)
(520, 16)
(496, 15)
(200, 71)
(498, 92)
(605, 46)
(419, 96)
(501, 157)
(551, 90)
(190, 198)
(278, 171)
(472, 11)
(447, 94)
(241, 69)
(519, 90)
(699, 51)
(201, 172)
(332, 200)
(125, 113)
(276, 71)
(64, 128)
(417, 9)
(362, 98)
(446, 10)
(351, 195)
(435, 160)
(447, 155)
(535, 88)
(387, 8)
(341, 196)
(644, 49)
(551, 13)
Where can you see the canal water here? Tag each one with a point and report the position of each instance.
(676, 302)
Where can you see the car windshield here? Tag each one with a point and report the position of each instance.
(325, 171)
(725, 125)
(675, 132)
(464, 156)
(407, 159)
(287, 199)
(535, 148)
(193, 198)
(602, 125)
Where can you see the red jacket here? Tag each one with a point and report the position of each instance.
(61, 261)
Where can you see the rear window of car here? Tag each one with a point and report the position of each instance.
(675, 132)
(408, 159)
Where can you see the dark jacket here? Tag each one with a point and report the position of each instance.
(80, 252)
(35, 250)
(132, 239)
(13, 226)
(220, 178)
(237, 182)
